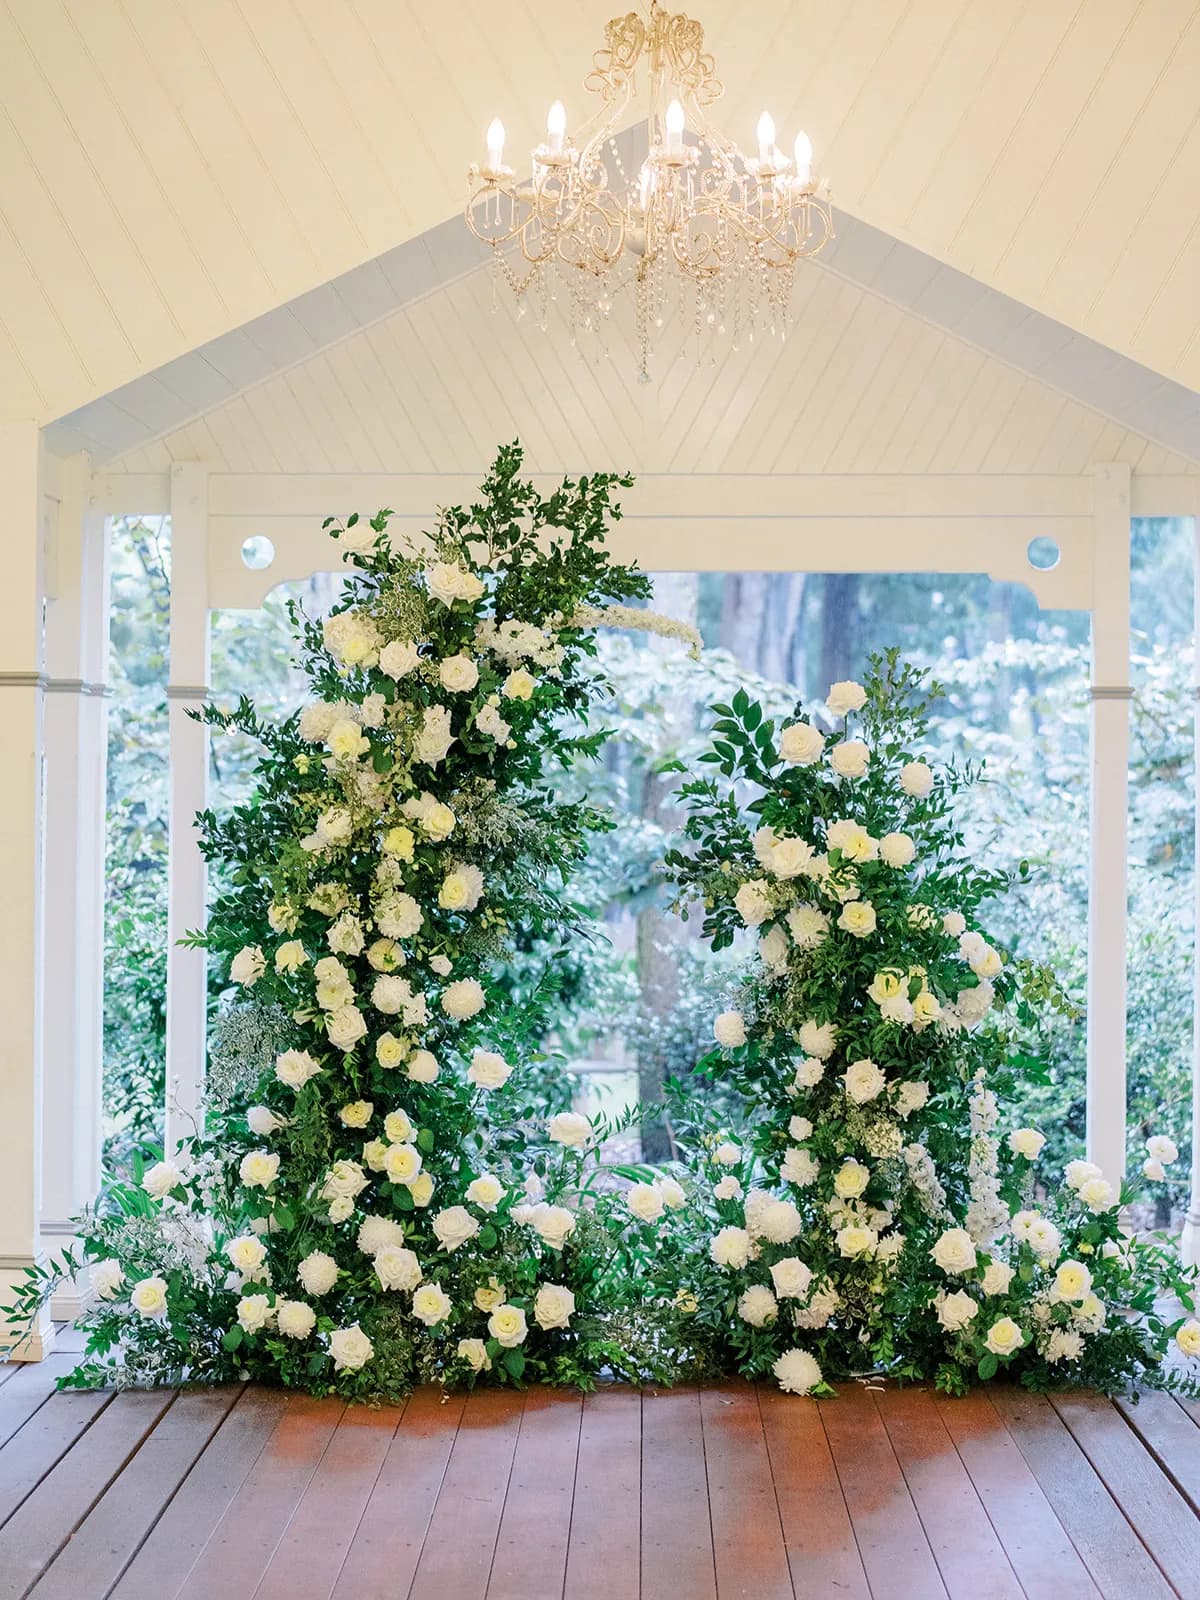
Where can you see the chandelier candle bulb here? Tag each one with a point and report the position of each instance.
(803, 153)
(556, 126)
(674, 124)
(495, 145)
(766, 140)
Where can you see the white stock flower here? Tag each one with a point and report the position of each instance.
(553, 1306)
(729, 1029)
(850, 759)
(488, 720)
(727, 1188)
(797, 1372)
(1078, 1172)
(350, 1348)
(801, 744)
(910, 1097)
(453, 1227)
(727, 1153)
(846, 696)
(569, 1128)
(758, 1306)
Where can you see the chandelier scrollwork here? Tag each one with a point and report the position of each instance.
(698, 218)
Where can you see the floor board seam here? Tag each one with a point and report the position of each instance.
(986, 1510)
(434, 1503)
(1160, 1461)
(337, 1577)
(299, 1501)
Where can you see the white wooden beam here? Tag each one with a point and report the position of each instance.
(187, 997)
(1111, 696)
(22, 805)
(1190, 1243)
(76, 731)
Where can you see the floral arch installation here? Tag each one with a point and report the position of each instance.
(374, 1201)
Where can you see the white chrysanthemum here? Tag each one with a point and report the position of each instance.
(729, 1030)
(817, 1039)
(730, 1248)
(758, 1306)
(808, 926)
(797, 1372)
(463, 999)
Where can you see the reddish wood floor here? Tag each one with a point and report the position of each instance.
(726, 1493)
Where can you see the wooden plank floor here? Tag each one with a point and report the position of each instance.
(729, 1492)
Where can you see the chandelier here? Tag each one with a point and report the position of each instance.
(697, 225)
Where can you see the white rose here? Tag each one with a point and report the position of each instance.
(248, 966)
(553, 1224)
(855, 1240)
(997, 1277)
(911, 1097)
(773, 950)
(488, 1070)
(246, 1253)
(453, 1227)
(845, 697)
(295, 1319)
(1072, 1281)
(729, 1029)
(1187, 1337)
(1153, 1170)
(727, 1188)
(569, 1128)
(431, 1304)
(730, 1248)
(290, 956)
(508, 1327)
(463, 999)
(350, 1348)
(316, 719)
(645, 1202)
(926, 1009)
(149, 1299)
(474, 1353)
(1026, 1142)
(161, 1178)
(346, 741)
(553, 1306)
(1160, 1148)
(779, 1222)
(402, 1162)
(356, 1114)
(801, 744)
(344, 1178)
(422, 1067)
(295, 1067)
(398, 658)
(259, 1169)
(519, 685)
(421, 1189)
(858, 918)
(954, 1251)
(954, 924)
(789, 858)
(817, 1039)
(434, 739)
(864, 1081)
(916, 779)
(797, 1372)
(1004, 1337)
(758, 1306)
(254, 1312)
(792, 1278)
(1078, 1172)
(957, 1310)
(486, 1191)
(1097, 1194)
(459, 674)
(809, 1073)
(896, 849)
(262, 1121)
(318, 1272)
(442, 965)
(753, 902)
(449, 582)
(851, 1179)
(106, 1278)
(800, 1129)
(397, 1268)
(345, 1027)
(852, 840)
(850, 758)
(462, 888)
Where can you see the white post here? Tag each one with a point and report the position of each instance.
(186, 878)
(76, 734)
(22, 799)
(1189, 1245)
(1111, 696)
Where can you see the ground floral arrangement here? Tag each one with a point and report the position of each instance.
(377, 1199)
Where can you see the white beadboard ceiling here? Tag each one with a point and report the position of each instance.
(895, 364)
(173, 170)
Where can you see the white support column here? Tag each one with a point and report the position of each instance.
(76, 735)
(186, 877)
(1111, 696)
(22, 799)
(1190, 1243)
